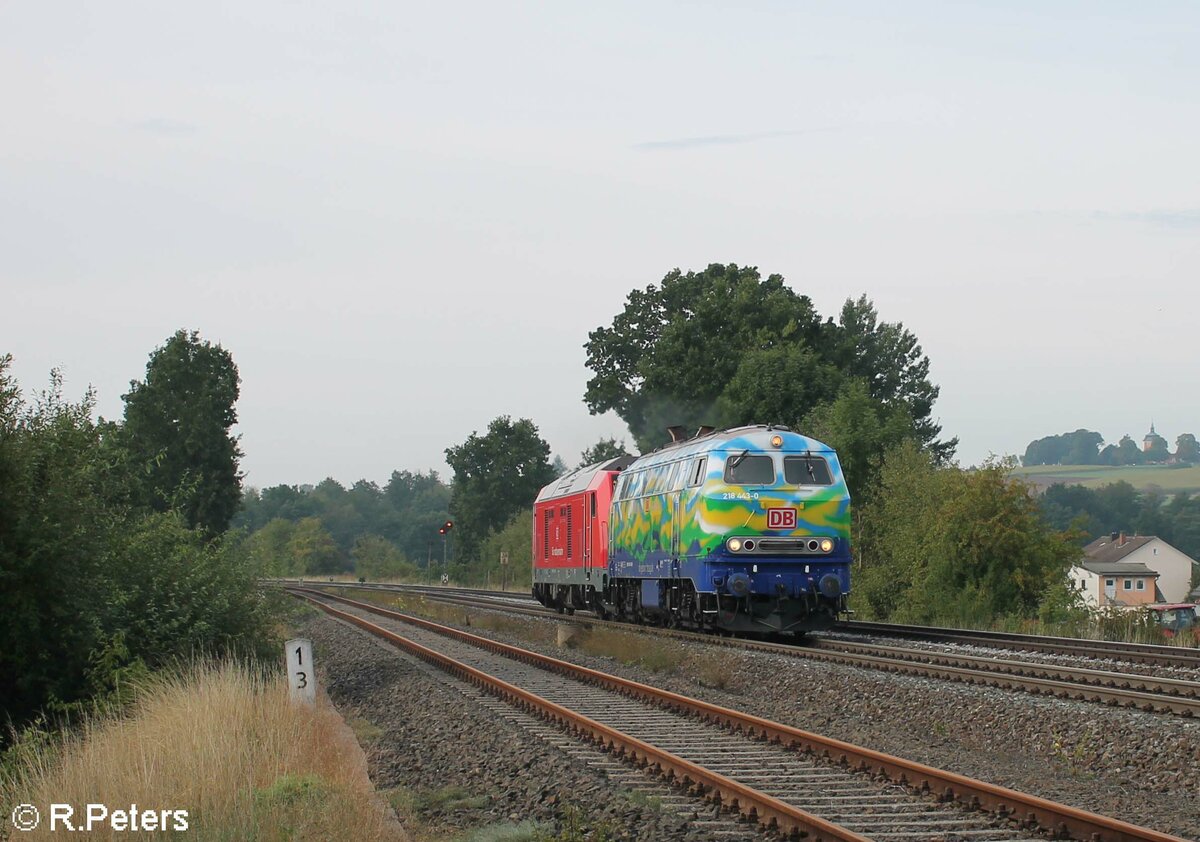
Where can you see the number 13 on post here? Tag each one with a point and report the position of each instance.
(302, 678)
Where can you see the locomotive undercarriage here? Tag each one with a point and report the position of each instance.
(681, 606)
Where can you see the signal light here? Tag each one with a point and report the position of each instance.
(449, 525)
(442, 531)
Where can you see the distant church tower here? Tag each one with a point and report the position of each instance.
(1152, 439)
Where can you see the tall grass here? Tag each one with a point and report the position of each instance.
(219, 740)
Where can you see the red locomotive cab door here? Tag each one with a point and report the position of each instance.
(589, 521)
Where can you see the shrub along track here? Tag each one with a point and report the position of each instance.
(1146, 693)
(720, 754)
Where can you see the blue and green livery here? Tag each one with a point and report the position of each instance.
(742, 530)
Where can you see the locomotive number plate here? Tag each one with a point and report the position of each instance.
(781, 518)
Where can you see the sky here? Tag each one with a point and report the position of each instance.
(403, 219)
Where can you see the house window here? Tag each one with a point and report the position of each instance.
(1111, 583)
(1128, 584)
(1141, 584)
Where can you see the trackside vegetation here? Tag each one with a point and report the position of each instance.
(114, 559)
(942, 545)
(218, 740)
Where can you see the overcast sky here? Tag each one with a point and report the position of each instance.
(402, 219)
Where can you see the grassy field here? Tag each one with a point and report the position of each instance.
(221, 742)
(1142, 477)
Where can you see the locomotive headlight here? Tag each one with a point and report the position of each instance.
(826, 545)
(734, 545)
(776, 441)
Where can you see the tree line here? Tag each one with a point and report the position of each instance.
(126, 543)
(1086, 447)
(1119, 507)
(114, 553)
(726, 347)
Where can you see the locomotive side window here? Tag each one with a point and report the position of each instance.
(744, 469)
(806, 470)
(653, 484)
(696, 474)
(636, 482)
(678, 475)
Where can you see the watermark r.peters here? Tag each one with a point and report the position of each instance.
(88, 817)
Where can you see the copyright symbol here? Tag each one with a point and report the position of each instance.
(25, 817)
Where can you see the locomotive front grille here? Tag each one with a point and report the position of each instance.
(788, 545)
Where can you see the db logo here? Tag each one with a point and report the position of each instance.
(781, 518)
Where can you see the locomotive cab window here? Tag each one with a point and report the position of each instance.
(744, 469)
(806, 470)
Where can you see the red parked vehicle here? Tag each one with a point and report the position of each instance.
(1175, 618)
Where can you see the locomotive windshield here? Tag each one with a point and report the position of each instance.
(745, 469)
(806, 470)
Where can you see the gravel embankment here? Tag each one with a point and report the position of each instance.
(1138, 767)
(431, 736)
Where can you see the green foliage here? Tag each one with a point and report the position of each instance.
(860, 429)
(377, 558)
(407, 512)
(1187, 449)
(93, 589)
(1081, 447)
(174, 593)
(939, 544)
(602, 451)
(1119, 507)
(726, 347)
(496, 475)
(267, 550)
(312, 549)
(177, 429)
(516, 539)
(56, 529)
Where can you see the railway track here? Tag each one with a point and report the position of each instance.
(1106, 650)
(778, 776)
(1140, 653)
(1146, 693)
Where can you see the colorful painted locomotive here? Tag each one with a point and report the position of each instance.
(743, 530)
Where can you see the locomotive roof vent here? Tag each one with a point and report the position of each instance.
(678, 433)
(704, 431)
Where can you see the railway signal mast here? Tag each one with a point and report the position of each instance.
(445, 532)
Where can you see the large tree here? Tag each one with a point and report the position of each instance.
(1081, 447)
(1187, 449)
(947, 545)
(726, 347)
(177, 430)
(602, 451)
(496, 475)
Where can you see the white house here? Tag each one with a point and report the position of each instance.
(1123, 584)
(1174, 569)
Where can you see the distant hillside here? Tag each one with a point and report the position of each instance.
(1169, 478)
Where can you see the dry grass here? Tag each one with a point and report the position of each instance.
(222, 742)
(634, 649)
(442, 612)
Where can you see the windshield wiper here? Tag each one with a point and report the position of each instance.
(808, 464)
(737, 460)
